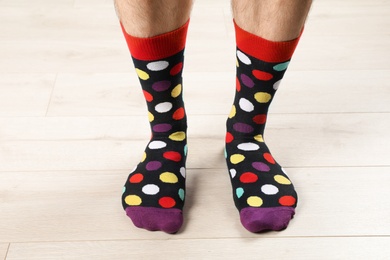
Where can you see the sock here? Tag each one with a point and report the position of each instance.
(153, 195)
(262, 192)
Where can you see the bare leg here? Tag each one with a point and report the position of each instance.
(274, 20)
(147, 18)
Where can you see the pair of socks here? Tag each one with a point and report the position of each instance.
(154, 193)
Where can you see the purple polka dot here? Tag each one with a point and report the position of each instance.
(161, 85)
(162, 128)
(261, 166)
(247, 81)
(153, 165)
(243, 128)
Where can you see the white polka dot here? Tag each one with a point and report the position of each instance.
(283, 170)
(163, 107)
(243, 58)
(183, 172)
(248, 147)
(157, 144)
(157, 65)
(276, 85)
(269, 189)
(233, 172)
(150, 189)
(246, 105)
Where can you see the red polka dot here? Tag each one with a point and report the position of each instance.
(260, 119)
(176, 69)
(136, 178)
(248, 177)
(148, 96)
(262, 75)
(167, 202)
(229, 137)
(238, 85)
(287, 201)
(173, 156)
(179, 114)
(269, 158)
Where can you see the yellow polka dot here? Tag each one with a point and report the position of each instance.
(178, 136)
(262, 97)
(237, 64)
(143, 157)
(168, 177)
(133, 200)
(151, 117)
(259, 138)
(142, 74)
(282, 180)
(254, 201)
(232, 112)
(236, 158)
(176, 91)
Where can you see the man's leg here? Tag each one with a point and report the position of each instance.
(155, 31)
(267, 33)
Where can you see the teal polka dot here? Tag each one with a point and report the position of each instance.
(281, 66)
(239, 192)
(181, 194)
(225, 153)
(185, 150)
(123, 190)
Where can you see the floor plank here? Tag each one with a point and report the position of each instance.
(3, 250)
(85, 205)
(287, 248)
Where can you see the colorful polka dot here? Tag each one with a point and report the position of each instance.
(161, 86)
(181, 194)
(246, 105)
(282, 180)
(232, 112)
(254, 201)
(168, 177)
(148, 96)
(176, 69)
(247, 81)
(185, 150)
(243, 128)
(176, 91)
(233, 173)
(236, 158)
(260, 119)
(281, 66)
(238, 85)
(239, 192)
(153, 165)
(287, 201)
(262, 75)
(157, 65)
(178, 136)
(260, 166)
(179, 114)
(269, 189)
(229, 137)
(133, 200)
(157, 144)
(167, 202)
(150, 189)
(243, 58)
(161, 128)
(183, 172)
(172, 156)
(276, 84)
(248, 147)
(143, 157)
(268, 157)
(163, 107)
(150, 117)
(142, 74)
(262, 97)
(259, 138)
(136, 178)
(248, 177)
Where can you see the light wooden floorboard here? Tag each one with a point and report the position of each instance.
(73, 125)
(257, 248)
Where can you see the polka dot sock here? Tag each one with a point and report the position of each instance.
(262, 192)
(153, 195)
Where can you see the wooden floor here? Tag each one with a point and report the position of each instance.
(73, 125)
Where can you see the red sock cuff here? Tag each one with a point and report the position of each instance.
(263, 49)
(157, 47)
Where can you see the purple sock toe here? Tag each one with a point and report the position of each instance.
(156, 219)
(261, 219)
